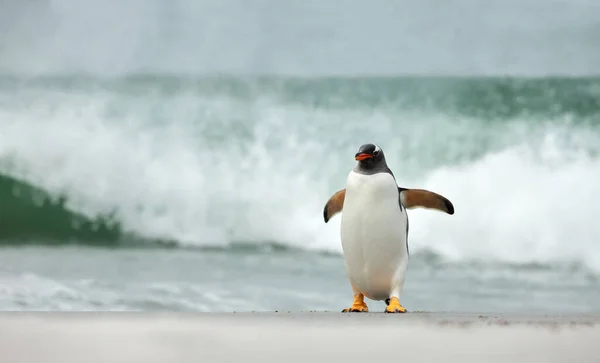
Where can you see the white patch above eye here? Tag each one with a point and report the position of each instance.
(377, 149)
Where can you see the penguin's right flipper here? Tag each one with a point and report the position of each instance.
(421, 198)
(334, 205)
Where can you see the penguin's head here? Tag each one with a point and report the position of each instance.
(370, 156)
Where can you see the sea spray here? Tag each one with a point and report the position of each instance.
(215, 161)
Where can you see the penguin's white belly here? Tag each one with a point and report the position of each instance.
(373, 235)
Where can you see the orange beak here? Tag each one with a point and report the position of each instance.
(363, 156)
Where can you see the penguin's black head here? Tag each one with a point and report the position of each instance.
(369, 155)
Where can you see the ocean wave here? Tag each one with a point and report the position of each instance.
(31, 214)
(192, 168)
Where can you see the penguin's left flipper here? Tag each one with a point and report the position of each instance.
(421, 198)
(334, 205)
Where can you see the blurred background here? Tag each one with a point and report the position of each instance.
(176, 155)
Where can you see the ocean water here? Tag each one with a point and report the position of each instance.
(157, 192)
(147, 184)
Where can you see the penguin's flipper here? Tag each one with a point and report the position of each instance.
(421, 198)
(334, 205)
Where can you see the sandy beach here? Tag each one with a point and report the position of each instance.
(297, 337)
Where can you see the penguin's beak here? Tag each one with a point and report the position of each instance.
(363, 156)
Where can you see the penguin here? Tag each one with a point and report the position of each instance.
(374, 228)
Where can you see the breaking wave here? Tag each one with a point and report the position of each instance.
(215, 163)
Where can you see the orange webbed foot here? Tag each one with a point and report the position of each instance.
(358, 306)
(393, 306)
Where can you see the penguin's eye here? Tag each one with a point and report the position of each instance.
(376, 152)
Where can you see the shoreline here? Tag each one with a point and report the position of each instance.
(296, 336)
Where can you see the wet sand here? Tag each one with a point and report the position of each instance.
(297, 337)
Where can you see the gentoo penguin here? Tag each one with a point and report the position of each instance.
(374, 228)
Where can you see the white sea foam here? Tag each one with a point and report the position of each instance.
(215, 170)
(521, 204)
